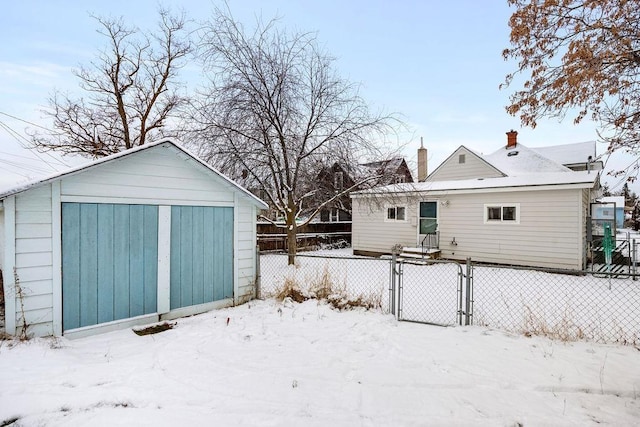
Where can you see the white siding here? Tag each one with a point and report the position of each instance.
(33, 260)
(157, 176)
(549, 233)
(246, 251)
(473, 167)
(370, 232)
(2, 243)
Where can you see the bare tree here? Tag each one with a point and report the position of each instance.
(130, 91)
(275, 112)
(583, 56)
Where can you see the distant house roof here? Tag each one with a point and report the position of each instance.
(391, 164)
(582, 179)
(521, 159)
(618, 200)
(570, 154)
(166, 141)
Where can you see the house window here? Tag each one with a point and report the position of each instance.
(428, 217)
(509, 213)
(398, 179)
(396, 213)
(338, 181)
(462, 158)
(334, 215)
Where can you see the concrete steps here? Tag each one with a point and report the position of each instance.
(410, 254)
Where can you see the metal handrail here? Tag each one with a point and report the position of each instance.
(429, 237)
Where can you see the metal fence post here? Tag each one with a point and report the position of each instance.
(467, 308)
(634, 253)
(258, 278)
(392, 285)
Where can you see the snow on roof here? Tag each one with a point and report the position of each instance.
(169, 141)
(618, 200)
(568, 154)
(521, 159)
(582, 179)
(392, 164)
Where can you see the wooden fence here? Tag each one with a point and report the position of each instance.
(272, 237)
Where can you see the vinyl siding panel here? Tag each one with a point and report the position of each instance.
(473, 167)
(371, 231)
(156, 176)
(246, 251)
(549, 233)
(33, 259)
(2, 242)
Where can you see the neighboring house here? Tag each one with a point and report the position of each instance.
(514, 206)
(337, 178)
(609, 209)
(147, 234)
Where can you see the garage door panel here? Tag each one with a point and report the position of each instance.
(201, 255)
(105, 264)
(121, 262)
(109, 262)
(136, 260)
(150, 259)
(88, 264)
(197, 254)
(71, 265)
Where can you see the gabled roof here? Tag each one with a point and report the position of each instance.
(390, 164)
(473, 153)
(569, 154)
(521, 159)
(169, 142)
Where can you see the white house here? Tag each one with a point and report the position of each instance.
(610, 209)
(146, 234)
(516, 206)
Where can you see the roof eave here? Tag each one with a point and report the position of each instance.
(173, 142)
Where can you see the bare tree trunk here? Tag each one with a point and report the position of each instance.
(292, 244)
(292, 231)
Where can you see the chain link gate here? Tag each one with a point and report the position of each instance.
(431, 291)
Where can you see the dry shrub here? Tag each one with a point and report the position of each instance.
(324, 287)
(565, 329)
(290, 289)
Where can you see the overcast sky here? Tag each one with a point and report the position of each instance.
(437, 63)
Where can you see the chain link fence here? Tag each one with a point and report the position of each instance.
(576, 305)
(346, 280)
(431, 292)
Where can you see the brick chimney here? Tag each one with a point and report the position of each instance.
(422, 162)
(512, 139)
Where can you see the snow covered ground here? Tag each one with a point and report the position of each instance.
(566, 306)
(273, 364)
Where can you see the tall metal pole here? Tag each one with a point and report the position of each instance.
(467, 308)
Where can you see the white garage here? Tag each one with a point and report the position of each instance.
(143, 235)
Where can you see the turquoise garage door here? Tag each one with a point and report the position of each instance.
(201, 255)
(109, 262)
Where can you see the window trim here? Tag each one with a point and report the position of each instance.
(338, 180)
(516, 206)
(395, 208)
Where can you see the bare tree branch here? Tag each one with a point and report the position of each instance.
(275, 112)
(579, 57)
(131, 91)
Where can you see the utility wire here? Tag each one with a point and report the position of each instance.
(17, 136)
(28, 122)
